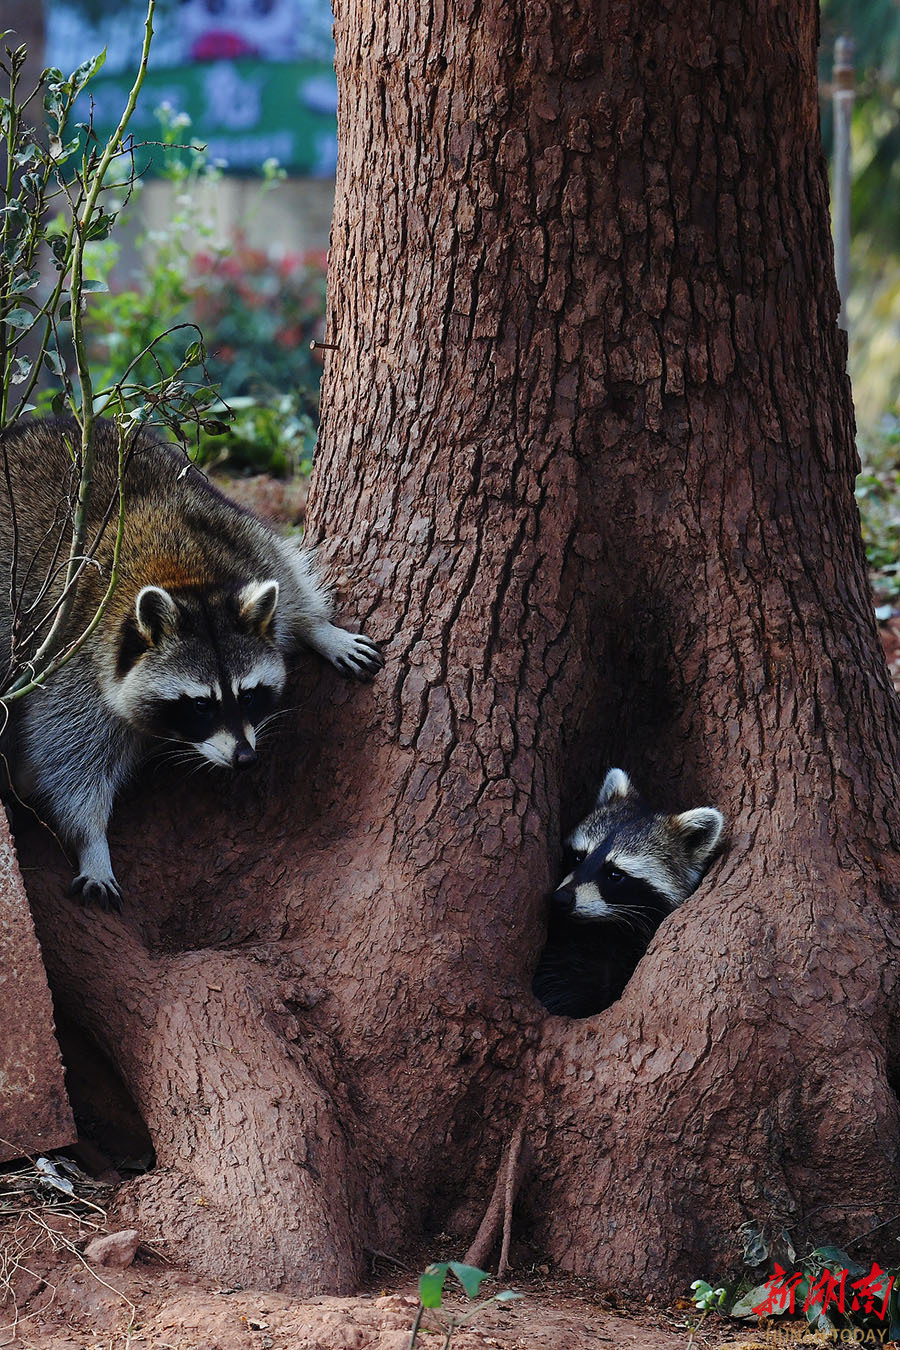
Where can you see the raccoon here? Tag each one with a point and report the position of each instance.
(192, 648)
(629, 867)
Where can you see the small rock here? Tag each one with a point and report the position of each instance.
(116, 1249)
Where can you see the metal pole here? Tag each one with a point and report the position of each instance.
(843, 95)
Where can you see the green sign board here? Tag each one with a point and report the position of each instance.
(244, 111)
(255, 77)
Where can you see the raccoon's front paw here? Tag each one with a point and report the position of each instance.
(103, 892)
(362, 660)
(353, 654)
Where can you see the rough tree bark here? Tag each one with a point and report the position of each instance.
(587, 461)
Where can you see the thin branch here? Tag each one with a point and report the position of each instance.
(415, 1327)
(39, 678)
(79, 523)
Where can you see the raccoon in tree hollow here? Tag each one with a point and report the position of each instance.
(628, 868)
(191, 649)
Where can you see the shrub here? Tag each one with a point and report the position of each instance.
(259, 312)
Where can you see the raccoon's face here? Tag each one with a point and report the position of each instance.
(629, 864)
(199, 665)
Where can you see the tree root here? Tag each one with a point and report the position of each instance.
(498, 1215)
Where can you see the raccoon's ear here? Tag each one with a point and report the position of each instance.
(257, 603)
(615, 784)
(156, 614)
(700, 831)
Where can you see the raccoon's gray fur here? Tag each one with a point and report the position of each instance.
(628, 868)
(192, 648)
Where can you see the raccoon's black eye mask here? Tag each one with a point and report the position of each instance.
(256, 703)
(194, 719)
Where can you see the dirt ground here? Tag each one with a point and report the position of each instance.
(57, 1300)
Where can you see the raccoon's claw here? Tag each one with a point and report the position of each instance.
(358, 658)
(106, 895)
(363, 663)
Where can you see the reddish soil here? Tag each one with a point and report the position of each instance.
(60, 1303)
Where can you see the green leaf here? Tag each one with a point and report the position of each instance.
(837, 1260)
(63, 152)
(25, 282)
(470, 1277)
(94, 286)
(894, 1312)
(431, 1285)
(756, 1248)
(18, 318)
(800, 1292)
(22, 370)
(101, 225)
(54, 361)
(53, 90)
(744, 1306)
(86, 71)
(27, 155)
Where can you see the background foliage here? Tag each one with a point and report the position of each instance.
(874, 301)
(258, 312)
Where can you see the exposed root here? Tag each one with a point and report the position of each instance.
(498, 1215)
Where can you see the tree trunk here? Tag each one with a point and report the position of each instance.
(587, 464)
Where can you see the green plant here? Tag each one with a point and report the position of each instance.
(258, 313)
(431, 1294)
(151, 320)
(276, 437)
(67, 166)
(878, 498)
(827, 1287)
(705, 1298)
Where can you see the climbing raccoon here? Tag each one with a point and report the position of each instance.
(191, 650)
(629, 867)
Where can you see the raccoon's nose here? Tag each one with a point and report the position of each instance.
(563, 900)
(244, 757)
